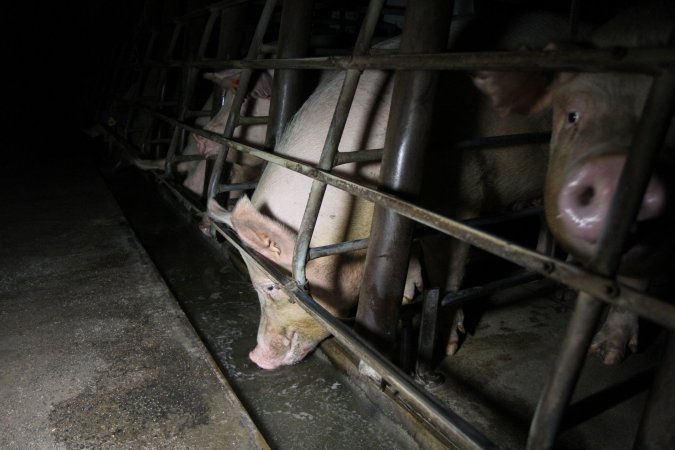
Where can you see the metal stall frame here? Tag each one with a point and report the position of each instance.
(596, 285)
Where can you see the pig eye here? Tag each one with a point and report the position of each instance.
(572, 117)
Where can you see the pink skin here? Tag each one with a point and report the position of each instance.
(586, 196)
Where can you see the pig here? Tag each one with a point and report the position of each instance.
(269, 221)
(594, 119)
(242, 168)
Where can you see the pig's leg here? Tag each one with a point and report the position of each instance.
(413, 280)
(618, 332)
(459, 254)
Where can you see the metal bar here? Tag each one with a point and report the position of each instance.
(360, 156)
(253, 120)
(651, 131)
(427, 341)
(236, 187)
(289, 91)
(330, 147)
(244, 79)
(427, 24)
(446, 421)
(603, 288)
(642, 60)
(453, 299)
(647, 142)
(334, 249)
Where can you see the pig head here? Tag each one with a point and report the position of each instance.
(595, 116)
(286, 332)
(243, 167)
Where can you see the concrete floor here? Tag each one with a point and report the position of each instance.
(94, 350)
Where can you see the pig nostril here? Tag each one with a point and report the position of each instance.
(586, 196)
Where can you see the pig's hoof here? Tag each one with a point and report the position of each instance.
(205, 226)
(610, 345)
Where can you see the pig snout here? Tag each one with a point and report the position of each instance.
(279, 350)
(586, 196)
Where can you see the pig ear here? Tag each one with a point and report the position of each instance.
(263, 234)
(522, 92)
(225, 78)
(217, 212)
(519, 92)
(263, 86)
(201, 143)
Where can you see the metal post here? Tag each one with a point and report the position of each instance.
(289, 84)
(427, 24)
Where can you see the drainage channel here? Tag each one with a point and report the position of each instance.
(309, 405)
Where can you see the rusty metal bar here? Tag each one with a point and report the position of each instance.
(330, 147)
(603, 288)
(427, 25)
(646, 145)
(430, 411)
(642, 60)
(289, 84)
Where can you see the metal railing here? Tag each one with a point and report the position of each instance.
(597, 285)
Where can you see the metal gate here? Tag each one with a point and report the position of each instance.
(421, 54)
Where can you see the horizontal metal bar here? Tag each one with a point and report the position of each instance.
(236, 187)
(334, 249)
(641, 60)
(360, 244)
(508, 140)
(603, 288)
(180, 158)
(443, 419)
(253, 120)
(359, 156)
(456, 298)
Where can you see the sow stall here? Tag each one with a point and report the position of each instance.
(422, 52)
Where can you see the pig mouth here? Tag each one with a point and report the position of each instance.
(295, 350)
(642, 241)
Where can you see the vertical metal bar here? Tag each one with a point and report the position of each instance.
(190, 83)
(646, 144)
(289, 85)
(330, 147)
(657, 428)
(427, 24)
(244, 80)
(427, 341)
(142, 79)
